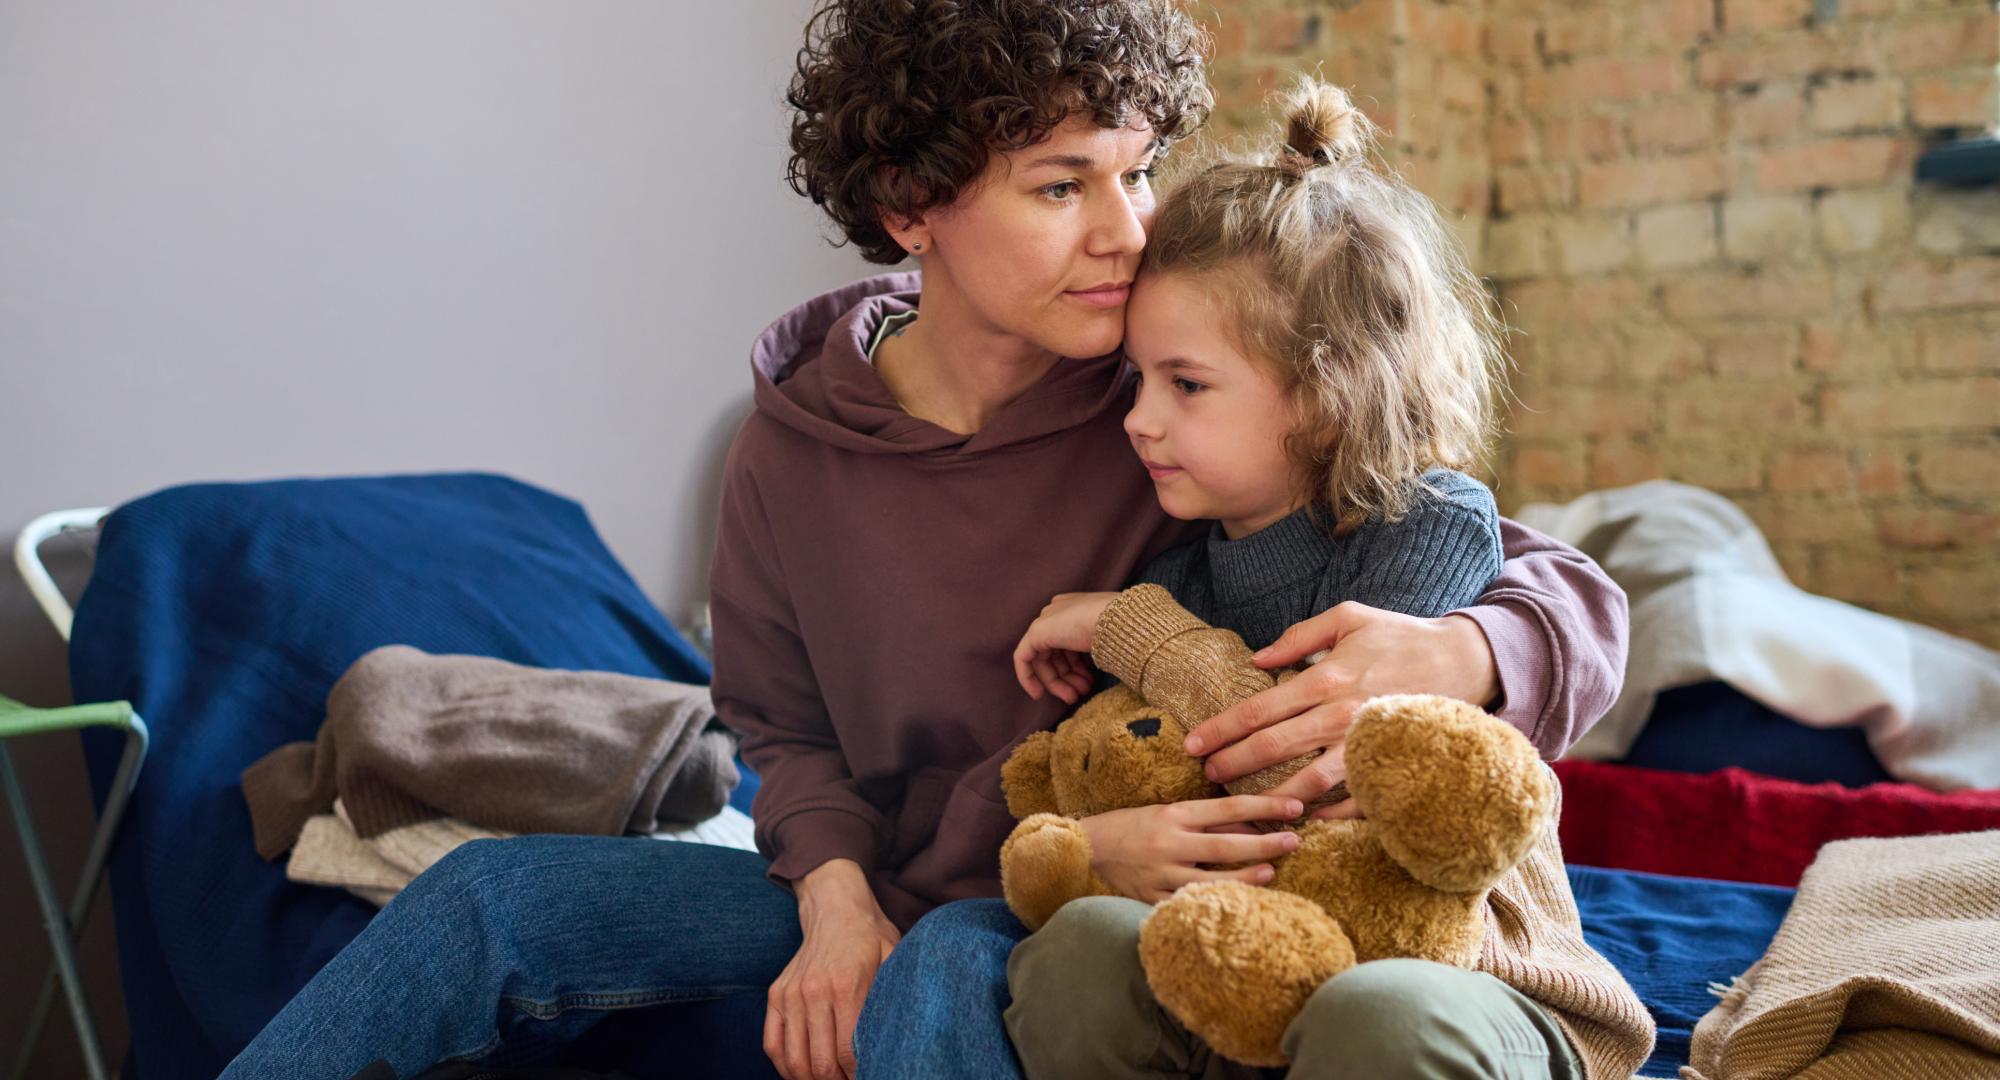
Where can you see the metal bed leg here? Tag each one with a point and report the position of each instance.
(87, 887)
(58, 927)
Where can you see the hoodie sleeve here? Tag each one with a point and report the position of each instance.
(1557, 624)
(808, 809)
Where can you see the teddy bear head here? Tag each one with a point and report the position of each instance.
(1114, 752)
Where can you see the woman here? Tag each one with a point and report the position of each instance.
(882, 541)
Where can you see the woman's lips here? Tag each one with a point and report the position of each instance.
(1101, 297)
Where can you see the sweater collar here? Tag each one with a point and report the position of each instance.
(1275, 557)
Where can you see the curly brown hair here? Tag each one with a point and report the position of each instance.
(900, 103)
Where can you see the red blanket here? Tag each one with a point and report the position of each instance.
(1737, 825)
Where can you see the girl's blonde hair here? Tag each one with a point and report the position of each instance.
(1348, 285)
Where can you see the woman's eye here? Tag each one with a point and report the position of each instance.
(1137, 177)
(1061, 192)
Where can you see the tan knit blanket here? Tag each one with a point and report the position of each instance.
(1887, 965)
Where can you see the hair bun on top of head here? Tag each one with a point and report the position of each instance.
(1322, 127)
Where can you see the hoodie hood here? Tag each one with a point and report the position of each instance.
(813, 375)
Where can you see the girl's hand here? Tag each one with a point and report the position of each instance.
(816, 1001)
(1054, 655)
(1374, 652)
(1147, 852)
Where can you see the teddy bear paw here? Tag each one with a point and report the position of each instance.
(1045, 864)
(1235, 963)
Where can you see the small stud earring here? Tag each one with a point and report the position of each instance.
(916, 247)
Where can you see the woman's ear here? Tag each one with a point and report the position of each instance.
(914, 234)
(1028, 779)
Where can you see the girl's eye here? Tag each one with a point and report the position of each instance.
(1188, 386)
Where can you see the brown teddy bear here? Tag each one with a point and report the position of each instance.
(1451, 799)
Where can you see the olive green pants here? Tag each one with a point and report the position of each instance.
(1082, 1009)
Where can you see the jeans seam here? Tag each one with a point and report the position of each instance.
(541, 1009)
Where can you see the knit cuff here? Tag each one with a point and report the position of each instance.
(1134, 627)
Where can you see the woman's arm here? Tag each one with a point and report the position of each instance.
(812, 821)
(1556, 626)
(808, 807)
(1544, 648)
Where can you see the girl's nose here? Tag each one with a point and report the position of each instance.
(1138, 425)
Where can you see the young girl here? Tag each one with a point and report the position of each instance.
(1316, 361)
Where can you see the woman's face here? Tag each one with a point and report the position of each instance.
(1209, 424)
(1043, 247)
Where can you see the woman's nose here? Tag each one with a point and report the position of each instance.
(1120, 228)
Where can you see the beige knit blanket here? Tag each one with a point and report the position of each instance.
(1887, 965)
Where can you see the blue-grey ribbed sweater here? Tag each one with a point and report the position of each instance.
(1437, 559)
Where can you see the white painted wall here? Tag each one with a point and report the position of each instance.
(246, 239)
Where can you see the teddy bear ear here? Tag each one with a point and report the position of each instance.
(1028, 779)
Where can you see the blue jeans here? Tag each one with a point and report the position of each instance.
(938, 1005)
(544, 948)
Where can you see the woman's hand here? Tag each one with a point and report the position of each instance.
(1147, 852)
(814, 1004)
(1053, 656)
(1373, 652)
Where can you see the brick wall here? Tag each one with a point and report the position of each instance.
(1702, 219)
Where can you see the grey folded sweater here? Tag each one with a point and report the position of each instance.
(409, 737)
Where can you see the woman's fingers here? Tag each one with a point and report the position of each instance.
(822, 1040)
(798, 1061)
(1315, 728)
(846, 1014)
(774, 1036)
(1317, 777)
(1254, 713)
(1322, 631)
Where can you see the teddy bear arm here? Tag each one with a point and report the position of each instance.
(1027, 777)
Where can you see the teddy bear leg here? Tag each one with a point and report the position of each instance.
(1454, 795)
(1235, 963)
(1045, 864)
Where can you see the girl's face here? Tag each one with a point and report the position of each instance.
(1209, 423)
(1043, 247)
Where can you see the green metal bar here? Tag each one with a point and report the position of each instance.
(19, 719)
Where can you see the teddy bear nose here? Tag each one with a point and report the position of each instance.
(1146, 728)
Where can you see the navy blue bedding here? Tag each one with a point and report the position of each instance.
(224, 613)
(1673, 936)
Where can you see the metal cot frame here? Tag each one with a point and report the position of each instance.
(16, 719)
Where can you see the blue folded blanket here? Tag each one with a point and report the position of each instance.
(224, 613)
(1671, 937)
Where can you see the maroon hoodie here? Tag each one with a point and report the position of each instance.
(873, 572)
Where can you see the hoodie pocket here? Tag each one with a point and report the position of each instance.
(917, 820)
